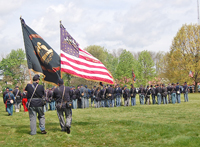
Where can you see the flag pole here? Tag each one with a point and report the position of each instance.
(198, 11)
(29, 70)
(60, 47)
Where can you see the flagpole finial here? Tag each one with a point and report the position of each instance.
(60, 22)
(20, 17)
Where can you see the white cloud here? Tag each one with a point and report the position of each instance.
(142, 25)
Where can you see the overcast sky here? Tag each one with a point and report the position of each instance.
(128, 24)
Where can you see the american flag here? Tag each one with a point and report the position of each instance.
(78, 62)
(191, 74)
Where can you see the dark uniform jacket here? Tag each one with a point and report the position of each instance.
(17, 95)
(58, 94)
(73, 94)
(158, 90)
(93, 92)
(83, 92)
(110, 93)
(87, 93)
(185, 88)
(153, 91)
(169, 89)
(103, 94)
(118, 91)
(9, 96)
(98, 95)
(148, 93)
(78, 95)
(173, 89)
(133, 92)
(164, 91)
(178, 89)
(142, 91)
(126, 94)
(37, 97)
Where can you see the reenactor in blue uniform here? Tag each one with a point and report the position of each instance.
(178, 93)
(164, 94)
(78, 96)
(126, 96)
(49, 98)
(169, 89)
(98, 97)
(103, 96)
(18, 98)
(87, 97)
(147, 95)
(153, 93)
(83, 96)
(141, 94)
(173, 93)
(185, 91)
(35, 92)
(158, 93)
(53, 102)
(93, 100)
(10, 100)
(133, 95)
(74, 99)
(63, 95)
(118, 92)
(107, 100)
(110, 95)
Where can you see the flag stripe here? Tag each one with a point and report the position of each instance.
(86, 54)
(81, 68)
(81, 61)
(78, 63)
(70, 70)
(88, 77)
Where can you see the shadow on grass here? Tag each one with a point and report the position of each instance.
(55, 127)
(20, 129)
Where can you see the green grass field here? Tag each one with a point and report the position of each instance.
(141, 125)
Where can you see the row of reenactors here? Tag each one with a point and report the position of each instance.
(20, 98)
(109, 96)
(165, 94)
(14, 97)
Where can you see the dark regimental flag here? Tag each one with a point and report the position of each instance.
(41, 58)
(133, 76)
(80, 63)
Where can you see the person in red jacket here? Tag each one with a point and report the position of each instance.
(24, 100)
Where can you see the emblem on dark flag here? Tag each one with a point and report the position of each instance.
(41, 58)
(44, 53)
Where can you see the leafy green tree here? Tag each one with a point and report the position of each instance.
(111, 64)
(124, 68)
(146, 69)
(184, 56)
(13, 67)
